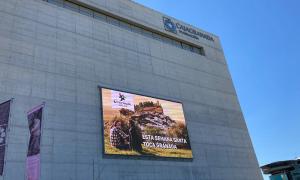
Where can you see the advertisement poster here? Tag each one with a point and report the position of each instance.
(33, 154)
(143, 126)
(4, 118)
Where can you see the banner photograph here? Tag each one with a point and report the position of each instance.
(4, 118)
(33, 163)
(143, 126)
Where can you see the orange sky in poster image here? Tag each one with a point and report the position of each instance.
(172, 109)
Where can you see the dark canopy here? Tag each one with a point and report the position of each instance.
(280, 166)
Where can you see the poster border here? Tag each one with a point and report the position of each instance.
(141, 157)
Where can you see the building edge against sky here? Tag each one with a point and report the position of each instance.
(59, 52)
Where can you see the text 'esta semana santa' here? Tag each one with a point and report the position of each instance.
(162, 141)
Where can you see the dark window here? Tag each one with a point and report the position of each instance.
(196, 50)
(99, 16)
(71, 6)
(147, 33)
(199, 51)
(177, 44)
(125, 25)
(157, 37)
(136, 29)
(86, 11)
(113, 21)
(191, 48)
(57, 2)
(185, 46)
(202, 52)
(167, 40)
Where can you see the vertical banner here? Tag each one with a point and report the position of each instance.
(4, 117)
(34, 117)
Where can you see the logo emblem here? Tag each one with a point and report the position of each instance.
(120, 100)
(122, 97)
(169, 25)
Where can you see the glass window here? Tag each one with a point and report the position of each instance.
(191, 48)
(196, 50)
(57, 2)
(177, 43)
(147, 33)
(202, 52)
(99, 16)
(279, 177)
(185, 46)
(125, 25)
(136, 29)
(167, 40)
(86, 11)
(157, 36)
(199, 51)
(113, 21)
(71, 6)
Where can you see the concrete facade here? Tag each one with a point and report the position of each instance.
(49, 53)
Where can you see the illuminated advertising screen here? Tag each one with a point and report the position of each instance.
(143, 126)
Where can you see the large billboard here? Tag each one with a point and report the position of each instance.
(143, 126)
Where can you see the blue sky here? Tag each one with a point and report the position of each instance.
(261, 41)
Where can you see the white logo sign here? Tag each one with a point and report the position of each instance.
(122, 100)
